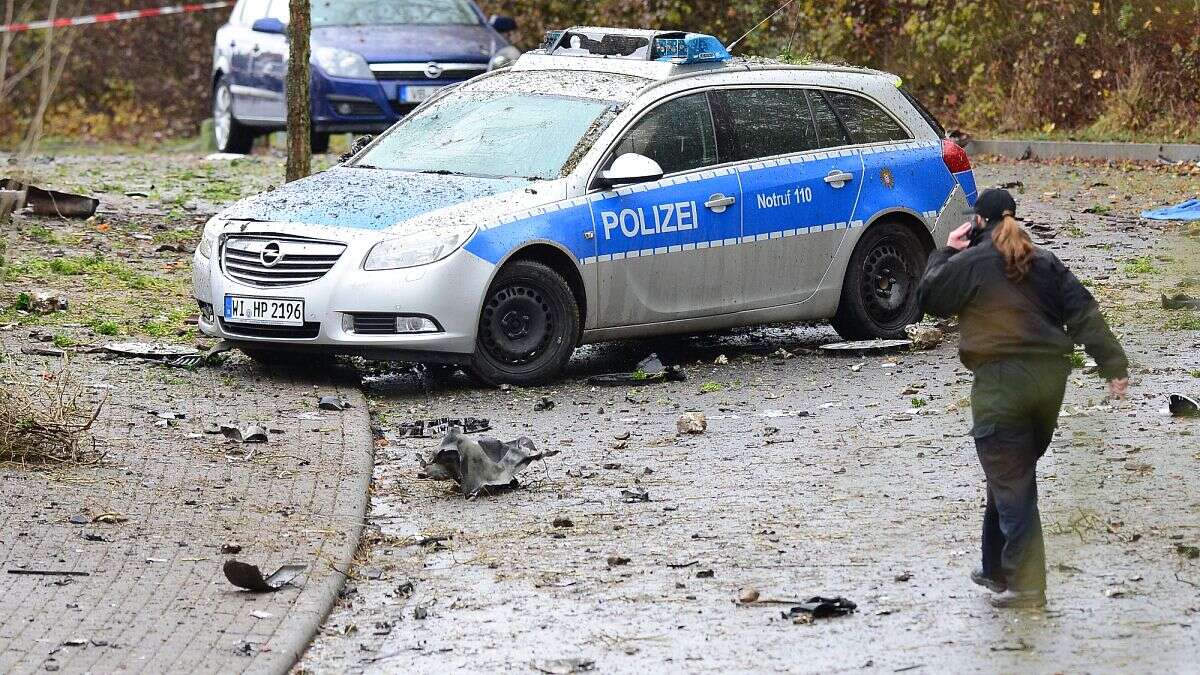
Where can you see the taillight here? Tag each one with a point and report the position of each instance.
(955, 157)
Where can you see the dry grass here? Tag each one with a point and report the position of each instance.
(48, 422)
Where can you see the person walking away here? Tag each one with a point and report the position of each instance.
(1021, 313)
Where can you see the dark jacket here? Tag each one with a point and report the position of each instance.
(1046, 315)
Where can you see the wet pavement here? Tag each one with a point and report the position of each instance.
(817, 475)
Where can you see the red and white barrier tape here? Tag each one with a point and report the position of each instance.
(113, 16)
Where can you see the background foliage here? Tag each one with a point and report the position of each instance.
(1114, 68)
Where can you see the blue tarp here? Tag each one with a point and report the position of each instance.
(1189, 210)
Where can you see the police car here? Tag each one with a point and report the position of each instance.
(613, 184)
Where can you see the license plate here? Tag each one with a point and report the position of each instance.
(417, 94)
(269, 311)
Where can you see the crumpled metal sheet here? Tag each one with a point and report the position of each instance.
(41, 202)
(476, 465)
(1184, 406)
(250, 577)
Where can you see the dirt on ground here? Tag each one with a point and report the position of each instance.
(631, 549)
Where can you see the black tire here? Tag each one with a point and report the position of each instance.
(528, 328)
(879, 293)
(320, 143)
(230, 134)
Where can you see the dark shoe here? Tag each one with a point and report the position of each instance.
(1027, 599)
(993, 585)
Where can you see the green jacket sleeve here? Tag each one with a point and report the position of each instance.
(944, 289)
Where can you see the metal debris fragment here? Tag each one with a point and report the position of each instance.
(333, 403)
(440, 427)
(249, 577)
(1180, 301)
(649, 370)
(1184, 406)
(862, 346)
(818, 607)
(486, 463)
(253, 433)
(41, 202)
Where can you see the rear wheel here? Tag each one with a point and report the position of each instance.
(528, 327)
(879, 293)
(231, 136)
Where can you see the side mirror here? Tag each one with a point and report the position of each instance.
(355, 148)
(269, 25)
(631, 168)
(503, 24)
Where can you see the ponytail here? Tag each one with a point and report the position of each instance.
(1015, 246)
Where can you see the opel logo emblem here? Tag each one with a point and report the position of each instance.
(272, 254)
(433, 70)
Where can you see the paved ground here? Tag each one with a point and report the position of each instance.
(813, 478)
(155, 599)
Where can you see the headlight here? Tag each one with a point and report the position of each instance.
(341, 63)
(505, 58)
(417, 249)
(208, 239)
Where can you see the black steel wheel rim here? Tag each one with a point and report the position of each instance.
(888, 282)
(518, 325)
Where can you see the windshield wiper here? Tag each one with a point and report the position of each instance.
(365, 166)
(444, 172)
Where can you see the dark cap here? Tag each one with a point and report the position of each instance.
(994, 204)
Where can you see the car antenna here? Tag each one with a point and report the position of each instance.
(758, 25)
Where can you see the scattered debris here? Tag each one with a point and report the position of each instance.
(231, 548)
(692, 423)
(544, 404)
(42, 302)
(1115, 592)
(749, 596)
(1184, 406)
(80, 519)
(333, 403)
(253, 433)
(110, 518)
(617, 560)
(705, 574)
(1180, 301)
(783, 354)
(649, 370)
(924, 336)
(635, 495)
(1189, 552)
(147, 350)
(440, 427)
(721, 360)
(564, 666)
(196, 360)
(486, 463)
(53, 352)
(41, 202)
(50, 573)
(862, 346)
(1188, 210)
(564, 522)
(249, 577)
(259, 614)
(818, 607)
(903, 577)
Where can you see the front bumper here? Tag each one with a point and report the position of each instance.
(450, 291)
(374, 105)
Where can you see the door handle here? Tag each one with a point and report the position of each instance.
(256, 49)
(718, 203)
(838, 178)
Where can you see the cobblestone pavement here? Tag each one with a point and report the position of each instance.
(155, 599)
(814, 477)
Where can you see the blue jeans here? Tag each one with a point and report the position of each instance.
(1015, 404)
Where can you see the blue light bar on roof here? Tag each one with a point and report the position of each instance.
(692, 48)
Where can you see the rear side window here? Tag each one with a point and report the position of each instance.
(767, 122)
(830, 131)
(928, 116)
(867, 122)
(678, 134)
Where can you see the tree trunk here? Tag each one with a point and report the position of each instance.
(299, 129)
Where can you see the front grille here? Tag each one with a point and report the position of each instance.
(270, 262)
(306, 332)
(417, 71)
(375, 324)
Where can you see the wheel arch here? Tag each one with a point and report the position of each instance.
(552, 255)
(901, 216)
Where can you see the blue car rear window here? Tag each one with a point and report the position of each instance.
(489, 134)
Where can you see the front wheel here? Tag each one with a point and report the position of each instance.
(879, 293)
(320, 143)
(528, 327)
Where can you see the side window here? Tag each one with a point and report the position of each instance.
(678, 134)
(768, 122)
(830, 131)
(253, 10)
(279, 10)
(868, 123)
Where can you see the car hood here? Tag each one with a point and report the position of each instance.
(412, 43)
(366, 199)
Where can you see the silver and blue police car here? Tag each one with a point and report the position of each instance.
(613, 184)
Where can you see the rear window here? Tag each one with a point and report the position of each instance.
(829, 129)
(768, 122)
(867, 122)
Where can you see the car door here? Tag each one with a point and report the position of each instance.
(799, 191)
(241, 55)
(270, 65)
(666, 249)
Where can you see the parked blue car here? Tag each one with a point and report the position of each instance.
(373, 62)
